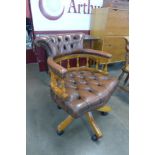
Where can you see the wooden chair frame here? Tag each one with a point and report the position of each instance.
(91, 61)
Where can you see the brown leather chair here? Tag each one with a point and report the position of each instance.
(78, 89)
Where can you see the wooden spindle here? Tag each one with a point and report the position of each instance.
(105, 70)
(87, 63)
(77, 62)
(96, 64)
(68, 64)
(64, 94)
(63, 85)
(53, 80)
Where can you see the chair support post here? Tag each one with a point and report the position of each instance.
(105, 108)
(93, 125)
(65, 123)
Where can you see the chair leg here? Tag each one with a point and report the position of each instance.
(120, 77)
(126, 79)
(64, 124)
(93, 125)
(104, 110)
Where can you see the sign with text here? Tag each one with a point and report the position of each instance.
(58, 15)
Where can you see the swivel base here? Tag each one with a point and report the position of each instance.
(96, 130)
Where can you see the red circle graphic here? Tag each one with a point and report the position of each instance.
(45, 14)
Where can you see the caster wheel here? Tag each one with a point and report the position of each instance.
(104, 113)
(94, 138)
(60, 132)
(58, 107)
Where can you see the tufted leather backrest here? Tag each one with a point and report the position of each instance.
(59, 44)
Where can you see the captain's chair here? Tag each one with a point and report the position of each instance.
(77, 89)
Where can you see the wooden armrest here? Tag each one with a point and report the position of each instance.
(97, 52)
(56, 68)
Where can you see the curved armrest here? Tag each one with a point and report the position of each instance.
(97, 52)
(39, 40)
(56, 68)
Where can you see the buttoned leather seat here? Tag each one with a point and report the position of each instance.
(86, 91)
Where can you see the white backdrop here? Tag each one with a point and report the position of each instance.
(76, 15)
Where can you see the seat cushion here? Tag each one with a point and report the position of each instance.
(87, 91)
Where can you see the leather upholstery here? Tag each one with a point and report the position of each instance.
(61, 43)
(87, 91)
(97, 52)
(56, 68)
